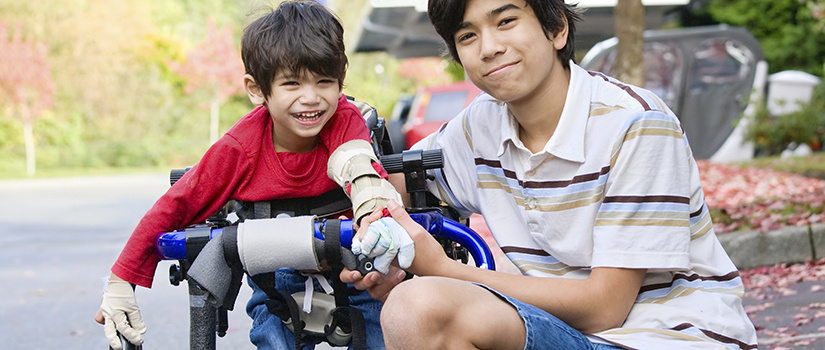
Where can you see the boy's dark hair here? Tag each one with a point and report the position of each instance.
(447, 15)
(296, 38)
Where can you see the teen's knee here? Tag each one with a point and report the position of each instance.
(418, 297)
(415, 307)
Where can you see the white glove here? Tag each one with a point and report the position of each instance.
(385, 239)
(121, 313)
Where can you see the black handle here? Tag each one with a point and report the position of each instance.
(394, 163)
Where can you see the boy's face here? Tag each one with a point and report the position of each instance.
(300, 106)
(504, 50)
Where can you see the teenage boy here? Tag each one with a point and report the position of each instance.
(590, 188)
(295, 65)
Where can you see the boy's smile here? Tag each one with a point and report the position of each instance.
(309, 118)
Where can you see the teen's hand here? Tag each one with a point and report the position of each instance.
(121, 314)
(429, 256)
(379, 285)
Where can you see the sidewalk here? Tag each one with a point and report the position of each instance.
(749, 249)
(793, 316)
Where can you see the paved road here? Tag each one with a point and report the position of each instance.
(58, 238)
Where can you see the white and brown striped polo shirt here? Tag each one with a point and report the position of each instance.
(615, 186)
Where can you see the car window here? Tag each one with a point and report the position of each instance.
(718, 62)
(445, 105)
(663, 71)
(662, 67)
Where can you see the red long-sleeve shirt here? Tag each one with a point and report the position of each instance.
(241, 165)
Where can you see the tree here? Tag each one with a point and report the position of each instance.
(790, 31)
(214, 65)
(25, 84)
(425, 71)
(629, 18)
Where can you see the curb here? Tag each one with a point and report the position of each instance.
(793, 244)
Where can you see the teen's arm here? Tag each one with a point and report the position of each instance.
(600, 302)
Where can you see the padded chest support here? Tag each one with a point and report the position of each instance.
(266, 245)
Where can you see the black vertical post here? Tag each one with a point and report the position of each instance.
(202, 319)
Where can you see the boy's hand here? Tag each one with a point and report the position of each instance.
(121, 314)
(384, 240)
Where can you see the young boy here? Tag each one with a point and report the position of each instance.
(295, 64)
(587, 184)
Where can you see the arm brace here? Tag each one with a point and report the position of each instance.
(351, 164)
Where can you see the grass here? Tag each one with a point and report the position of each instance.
(7, 174)
(809, 166)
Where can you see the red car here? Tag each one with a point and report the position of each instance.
(433, 106)
(429, 110)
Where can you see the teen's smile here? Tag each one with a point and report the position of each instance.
(500, 69)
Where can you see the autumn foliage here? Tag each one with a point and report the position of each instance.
(25, 75)
(761, 199)
(214, 64)
(26, 87)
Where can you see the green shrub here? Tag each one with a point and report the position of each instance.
(773, 134)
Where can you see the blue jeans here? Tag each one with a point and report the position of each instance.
(545, 331)
(268, 332)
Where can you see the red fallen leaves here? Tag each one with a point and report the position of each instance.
(754, 198)
(774, 282)
(765, 282)
(763, 199)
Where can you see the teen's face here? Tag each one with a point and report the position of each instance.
(504, 50)
(300, 106)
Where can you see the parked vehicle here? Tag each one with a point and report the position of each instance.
(708, 76)
(428, 110)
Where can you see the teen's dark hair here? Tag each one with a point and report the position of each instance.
(447, 15)
(296, 38)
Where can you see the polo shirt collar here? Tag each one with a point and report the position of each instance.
(569, 143)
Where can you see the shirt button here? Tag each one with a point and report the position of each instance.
(530, 203)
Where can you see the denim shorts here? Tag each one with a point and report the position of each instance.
(269, 332)
(545, 331)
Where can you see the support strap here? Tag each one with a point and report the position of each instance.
(349, 319)
(282, 305)
(230, 253)
(332, 242)
(326, 204)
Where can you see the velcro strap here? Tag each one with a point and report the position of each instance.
(326, 204)
(229, 236)
(262, 210)
(359, 329)
(229, 239)
(332, 251)
(364, 189)
(282, 305)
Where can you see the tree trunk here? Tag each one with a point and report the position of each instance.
(214, 118)
(28, 137)
(629, 18)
